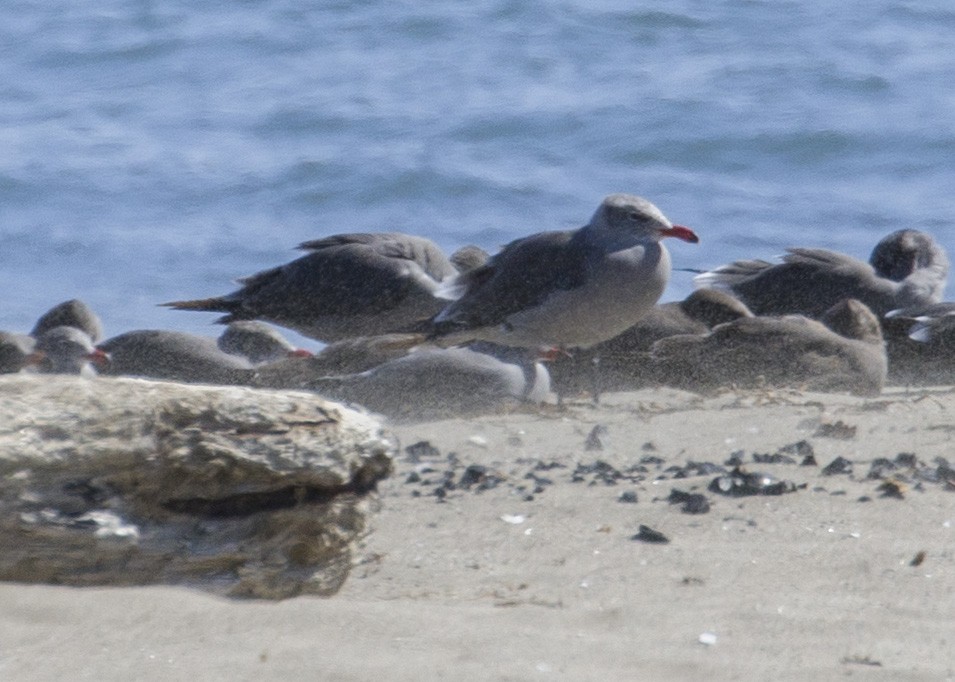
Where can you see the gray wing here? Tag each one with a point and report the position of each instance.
(397, 245)
(807, 282)
(522, 275)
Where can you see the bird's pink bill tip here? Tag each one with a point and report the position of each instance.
(681, 232)
(99, 358)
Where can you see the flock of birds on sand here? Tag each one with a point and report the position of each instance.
(414, 334)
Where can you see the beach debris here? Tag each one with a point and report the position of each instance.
(692, 503)
(838, 430)
(477, 441)
(740, 483)
(918, 558)
(890, 488)
(600, 471)
(775, 458)
(735, 459)
(707, 638)
(650, 535)
(840, 465)
(513, 519)
(479, 477)
(802, 448)
(596, 437)
(861, 660)
(692, 469)
(232, 490)
(628, 497)
(422, 450)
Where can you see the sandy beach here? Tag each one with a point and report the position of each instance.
(506, 548)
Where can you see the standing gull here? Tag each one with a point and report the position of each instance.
(348, 285)
(572, 289)
(907, 268)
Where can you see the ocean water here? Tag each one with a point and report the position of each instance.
(153, 150)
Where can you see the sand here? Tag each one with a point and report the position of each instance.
(532, 572)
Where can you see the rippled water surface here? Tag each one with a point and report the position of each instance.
(157, 149)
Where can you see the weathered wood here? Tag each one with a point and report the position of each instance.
(241, 491)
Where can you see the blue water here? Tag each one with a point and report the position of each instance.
(156, 149)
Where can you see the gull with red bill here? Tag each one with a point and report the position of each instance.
(571, 289)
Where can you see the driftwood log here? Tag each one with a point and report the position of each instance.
(246, 492)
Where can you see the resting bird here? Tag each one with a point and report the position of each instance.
(907, 268)
(842, 352)
(72, 313)
(66, 350)
(15, 350)
(348, 285)
(258, 343)
(434, 383)
(625, 362)
(173, 356)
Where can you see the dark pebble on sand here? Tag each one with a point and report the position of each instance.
(892, 489)
(739, 483)
(480, 478)
(879, 468)
(692, 503)
(838, 430)
(735, 459)
(595, 439)
(648, 534)
(801, 448)
(628, 497)
(840, 465)
(599, 471)
(906, 459)
(422, 450)
(775, 458)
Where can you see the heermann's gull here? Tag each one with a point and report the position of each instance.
(72, 313)
(907, 268)
(842, 352)
(435, 383)
(352, 356)
(65, 350)
(173, 356)
(469, 257)
(625, 362)
(15, 351)
(257, 342)
(348, 285)
(572, 289)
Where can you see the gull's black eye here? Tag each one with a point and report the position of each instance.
(637, 217)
